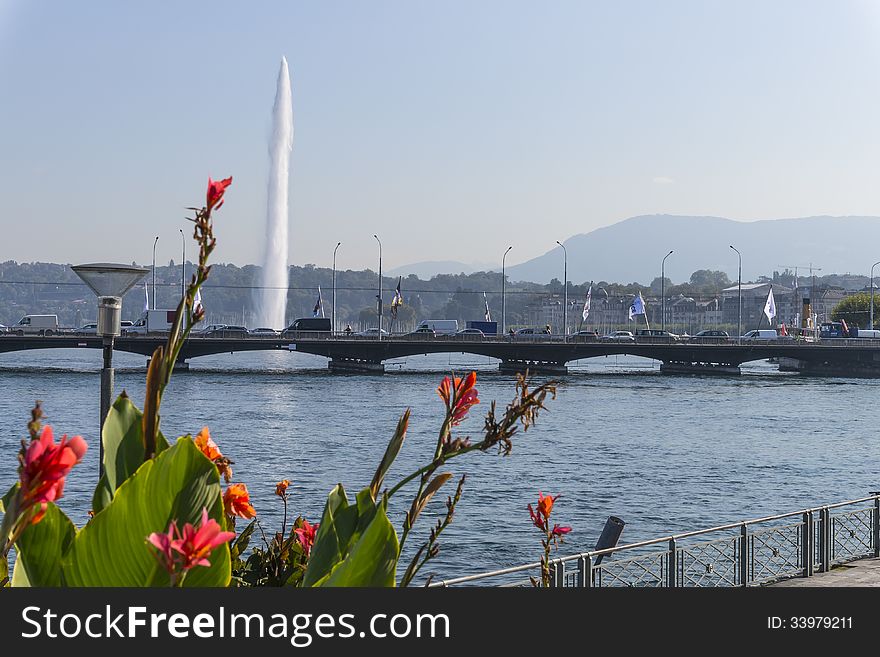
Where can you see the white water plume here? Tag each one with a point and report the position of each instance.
(271, 297)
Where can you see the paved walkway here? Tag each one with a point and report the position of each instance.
(864, 572)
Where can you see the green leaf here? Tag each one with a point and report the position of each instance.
(372, 559)
(338, 523)
(123, 439)
(112, 549)
(40, 549)
(350, 538)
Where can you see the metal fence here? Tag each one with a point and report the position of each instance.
(749, 553)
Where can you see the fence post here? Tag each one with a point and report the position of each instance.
(806, 546)
(672, 566)
(552, 579)
(559, 574)
(744, 555)
(876, 523)
(825, 543)
(585, 571)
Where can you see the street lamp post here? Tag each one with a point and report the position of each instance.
(183, 265)
(503, 281)
(663, 292)
(333, 313)
(156, 241)
(739, 278)
(379, 296)
(565, 287)
(109, 282)
(871, 318)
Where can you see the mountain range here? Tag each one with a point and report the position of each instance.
(632, 250)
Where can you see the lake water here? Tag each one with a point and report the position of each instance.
(665, 453)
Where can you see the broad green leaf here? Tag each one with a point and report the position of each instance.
(123, 440)
(338, 523)
(372, 559)
(40, 549)
(112, 549)
(342, 529)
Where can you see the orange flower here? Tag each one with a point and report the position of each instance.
(458, 396)
(237, 502)
(216, 189)
(210, 449)
(281, 487)
(206, 445)
(542, 515)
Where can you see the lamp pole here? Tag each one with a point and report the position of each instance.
(740, 290)
(333, 314)
(503, 281)
(663, 292)
(156, 241)
(871, 320)
(183, 265)
(565, 287)
(379, 296)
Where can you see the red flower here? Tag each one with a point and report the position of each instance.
(458, 396)
(281, 487)
(44, 467)
(191, 547)
(216, 189)
(237, 502)
(210, 449)
(305, 535)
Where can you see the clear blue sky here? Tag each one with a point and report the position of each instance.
(451, 129)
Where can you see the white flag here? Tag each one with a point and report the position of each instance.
(488, 314)
(146, 298)
(637, 307)
(197, 300)
(770, 306)
(586, 312)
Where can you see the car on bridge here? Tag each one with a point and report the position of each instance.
(87, 329)
(587, 335)
(422, 333)
(372, 333)
(655, 336)
(618, 336)
(265, 332)
(711, 336)
(227, 331)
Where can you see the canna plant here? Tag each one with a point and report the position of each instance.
(159, 517)
(552, 537)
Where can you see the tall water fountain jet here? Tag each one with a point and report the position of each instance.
(271, 296)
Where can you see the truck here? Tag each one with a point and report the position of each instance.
(440, 326)
(842, 330)
(36, 325)
(152, 321)
(488, 328)
(310, 324)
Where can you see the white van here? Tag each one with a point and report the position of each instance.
(36, 325)
(761, 334)
(440, 326)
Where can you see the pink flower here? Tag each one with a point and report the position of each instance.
(216, 189)
(45, 466)
(560, 531)
(305, 535)
(179, 551)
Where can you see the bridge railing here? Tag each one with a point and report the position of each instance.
(749, 553)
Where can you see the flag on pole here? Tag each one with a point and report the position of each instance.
(197, 300)
(637, 307)
(146, 298)
(319, 306)
(770, 307)
(486, 301)
(397, 300)
(586, 312)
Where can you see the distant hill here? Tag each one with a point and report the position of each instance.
(632, 250)
(428, 269)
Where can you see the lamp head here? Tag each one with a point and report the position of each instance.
(109, 282)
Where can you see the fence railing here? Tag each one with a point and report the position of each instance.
(749, 553)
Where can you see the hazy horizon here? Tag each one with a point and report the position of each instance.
(450, 131)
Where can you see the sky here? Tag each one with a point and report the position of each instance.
(451, 130)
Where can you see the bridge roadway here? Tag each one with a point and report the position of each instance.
(355, 353)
